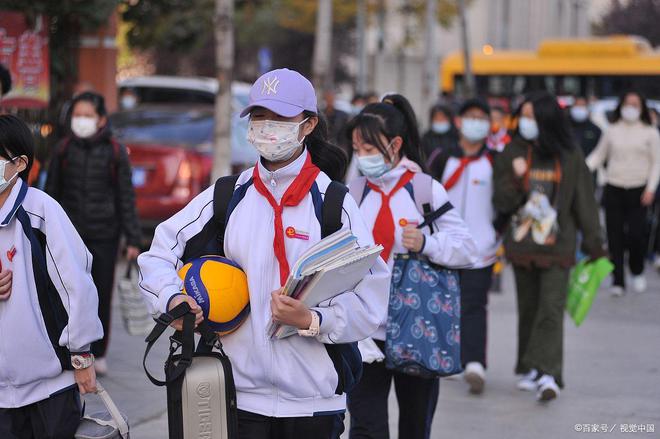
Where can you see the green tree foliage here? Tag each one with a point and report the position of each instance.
(637, 17)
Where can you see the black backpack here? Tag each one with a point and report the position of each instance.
(346, 357)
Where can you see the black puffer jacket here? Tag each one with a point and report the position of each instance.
(91, 179)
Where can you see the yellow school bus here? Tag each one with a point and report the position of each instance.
(591, 67)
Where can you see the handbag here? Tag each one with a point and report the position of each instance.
(135, 316)
(424, 323)
(110, 424)
(583, 286)
(201, 397)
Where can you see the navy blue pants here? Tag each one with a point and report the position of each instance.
(254, 426)
(367, 403)
(56, 417)
(474, 314)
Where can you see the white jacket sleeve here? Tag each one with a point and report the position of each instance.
(599, 155)
(356, 315)
(159, 280)
(654, 152)
(69, 266)
(451, 245)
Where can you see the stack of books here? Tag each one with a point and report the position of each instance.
(330, 267)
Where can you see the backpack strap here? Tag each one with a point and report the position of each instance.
(333, 203)
(359, 189)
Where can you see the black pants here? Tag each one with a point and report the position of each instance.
(367, 403)
(104, 253)
(57, 417)
(254, 426)
(474, 307)
(625, 218)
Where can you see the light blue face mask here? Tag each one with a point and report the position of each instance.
(373, 166)
(528, 128)
(475, 130)
(440, 127)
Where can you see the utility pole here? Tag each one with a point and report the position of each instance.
(362, 46)
(430, 85)
(224, 63)
(470, 87)
(322, 46)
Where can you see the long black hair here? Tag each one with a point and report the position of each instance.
(97, 101)
(327, 156)
(554, 129)
(644, 115)
(392, 117)
(16, 140)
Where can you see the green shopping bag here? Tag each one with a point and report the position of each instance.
(585, 281)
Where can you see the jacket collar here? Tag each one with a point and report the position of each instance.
(278, 181)
(13, 202)
(388, 180)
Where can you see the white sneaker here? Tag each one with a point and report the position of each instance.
(616, 291)
(548, 389)
(475, 376)
(528, 382)
(100, 366)
(639, 283)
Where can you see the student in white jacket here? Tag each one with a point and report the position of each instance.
(286, 388)
(466, 172)
(48, 303)
(386, 142)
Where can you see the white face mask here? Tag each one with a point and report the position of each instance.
(440, 127)
(630, 113)
(83, 126)
(579, 113)
(474, 130)
(128, 102)
(275, 141)
(374, 166)
(4, 183)
(528, 128)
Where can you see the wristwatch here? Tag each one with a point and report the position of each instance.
(313, 329)
(82, 361)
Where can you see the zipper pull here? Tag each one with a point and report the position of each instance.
(273, 183)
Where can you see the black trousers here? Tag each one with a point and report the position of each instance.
(367, 403)
(104, 253)
(57, 417)
(254, 426)
(625, 218)
(474, 308)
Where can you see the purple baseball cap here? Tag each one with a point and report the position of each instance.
(282, 91)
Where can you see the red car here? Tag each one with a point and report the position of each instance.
(170, 150)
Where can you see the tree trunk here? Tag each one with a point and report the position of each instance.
(322, 46)
(224, 62)
(430, 84)
(362, 46)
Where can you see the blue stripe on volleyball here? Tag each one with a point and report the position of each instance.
(195, 287)
(232, 324)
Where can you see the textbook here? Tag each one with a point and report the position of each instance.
(330, 267)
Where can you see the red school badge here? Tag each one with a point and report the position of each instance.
(292, 233)
(403, 222)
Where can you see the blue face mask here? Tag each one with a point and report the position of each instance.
(475, 130)
(373, 166)
(440, 127)
(528, 128)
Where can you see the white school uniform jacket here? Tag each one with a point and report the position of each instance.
(450, 246)
(281, 378)
(472, 196)
(30, 371)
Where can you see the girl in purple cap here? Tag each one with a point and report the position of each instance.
(294, 387)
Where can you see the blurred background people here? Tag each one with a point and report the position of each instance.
(90, 175)
(336, 119)
(587, 134)
(441, 135)
(542, 179)
(499, 134)
(5, 81)
(128, 99)
(631, 149)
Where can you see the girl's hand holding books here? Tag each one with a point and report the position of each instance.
(5, 284)
(289, 311)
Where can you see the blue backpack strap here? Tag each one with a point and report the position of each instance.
(52, 310)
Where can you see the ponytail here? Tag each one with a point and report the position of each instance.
(328, 157)
(392, 117)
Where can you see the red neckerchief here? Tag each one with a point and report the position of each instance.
(384, 227)
(294, 194)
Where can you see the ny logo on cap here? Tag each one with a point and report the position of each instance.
(270, 85)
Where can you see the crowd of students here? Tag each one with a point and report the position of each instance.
(519, 181)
